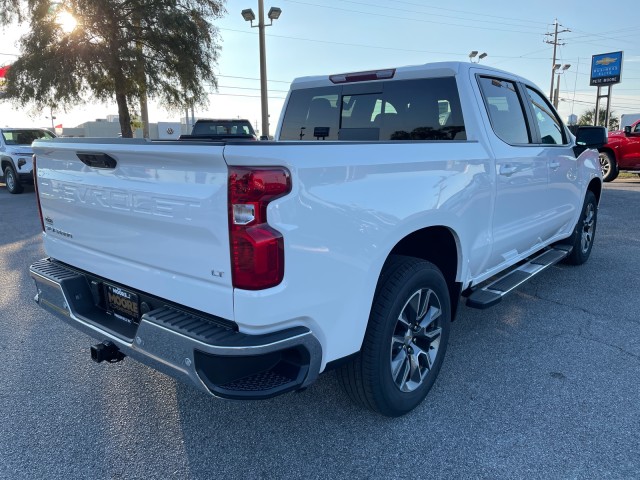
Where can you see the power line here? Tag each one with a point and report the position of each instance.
(384, 15)
(344, 44)
(249, 88)
(467, 12)
(239, 95)
(617, 90)
(377, 47)
(368, 4)
(635, 104)
(591, 104)
(252, 78)
(588, 34)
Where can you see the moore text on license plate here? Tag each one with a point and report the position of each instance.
(122, 303)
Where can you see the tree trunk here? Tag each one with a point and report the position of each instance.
(123, 114)
(144, 110)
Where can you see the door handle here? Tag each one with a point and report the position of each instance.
(97, 160)
(554, 165)
(508, 170)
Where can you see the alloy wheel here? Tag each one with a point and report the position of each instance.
(416, 340)
(588, 225)
(605, 165)
(9, 180)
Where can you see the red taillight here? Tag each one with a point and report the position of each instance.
(35, 184)
(257, 249)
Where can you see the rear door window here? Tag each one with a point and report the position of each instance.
(505, 110)
(424, 109)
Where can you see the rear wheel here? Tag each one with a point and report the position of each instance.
(405, 341)
(609, 166)
(11, 180)
(585, 231)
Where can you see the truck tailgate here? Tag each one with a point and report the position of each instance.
(156, 220)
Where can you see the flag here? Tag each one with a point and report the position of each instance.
(3, 74)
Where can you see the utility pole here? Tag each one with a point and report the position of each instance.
(555, 44)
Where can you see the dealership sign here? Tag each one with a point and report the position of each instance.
(606, 69)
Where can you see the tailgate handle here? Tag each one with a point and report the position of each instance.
(97, 160)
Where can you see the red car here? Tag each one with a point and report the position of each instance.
(621, 153)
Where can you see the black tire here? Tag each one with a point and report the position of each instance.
(408, 331)
(584, 234)
(11, 180)
(609, 166)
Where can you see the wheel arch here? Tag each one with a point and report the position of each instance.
(440, 246)
(595, 186)
(4, 161)
(610, 150)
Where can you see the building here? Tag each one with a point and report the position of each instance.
(110, 127)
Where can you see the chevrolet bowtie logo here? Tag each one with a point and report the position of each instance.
(606, 61)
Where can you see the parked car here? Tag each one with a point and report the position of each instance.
(621, 153)
(15, 155)
(221, 129)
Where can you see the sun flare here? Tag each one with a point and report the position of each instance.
(66, 21)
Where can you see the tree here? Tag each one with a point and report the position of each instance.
(587, 119)
(122, 49)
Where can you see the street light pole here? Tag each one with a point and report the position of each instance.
(249, 16)
(556, 93)
(473, 54)
(263, 72)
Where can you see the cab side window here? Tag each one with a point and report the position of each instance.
(550, 126)
(505, 110)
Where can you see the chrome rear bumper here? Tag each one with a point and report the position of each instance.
(186, 346)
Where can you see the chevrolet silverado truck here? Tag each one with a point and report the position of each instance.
(621, 152)
(16, 155)
(248, 268)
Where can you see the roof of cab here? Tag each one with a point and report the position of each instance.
(428, 70)
(10, 129)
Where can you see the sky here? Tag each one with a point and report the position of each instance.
(322, 37)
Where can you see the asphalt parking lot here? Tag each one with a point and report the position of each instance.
(544, 385)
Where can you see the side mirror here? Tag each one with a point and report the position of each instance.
(590, 137)
(627, 130)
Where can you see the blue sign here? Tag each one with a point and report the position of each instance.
(606, 68)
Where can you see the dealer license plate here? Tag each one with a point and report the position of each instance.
(122, 304)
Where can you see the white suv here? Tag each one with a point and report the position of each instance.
(15, 155)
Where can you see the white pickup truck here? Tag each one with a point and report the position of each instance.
(248, 268)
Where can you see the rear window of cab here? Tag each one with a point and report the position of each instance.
(414, 110)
